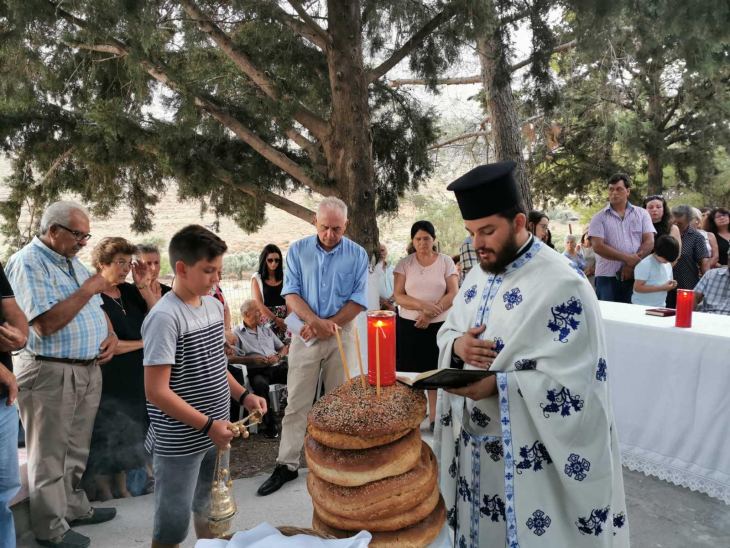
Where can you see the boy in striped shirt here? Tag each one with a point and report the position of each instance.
(188, 387)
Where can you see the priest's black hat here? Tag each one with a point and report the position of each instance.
(486, 190)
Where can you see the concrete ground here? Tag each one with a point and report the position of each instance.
(661, 515)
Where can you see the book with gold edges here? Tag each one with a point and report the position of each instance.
(445, 378)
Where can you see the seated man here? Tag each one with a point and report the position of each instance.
(264, 356)
(712, 293)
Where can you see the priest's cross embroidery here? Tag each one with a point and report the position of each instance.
(539, 522)
(512, 298)
(561, 401)
(593, 524)
(470, 293)
(479, 418)
(533, 457)
(576, 467)
(493, 449)
(524, 365)
(498, 344)
(564, 321)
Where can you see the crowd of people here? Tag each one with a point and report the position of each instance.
(116, 375)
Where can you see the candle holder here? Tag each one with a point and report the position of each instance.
(685, 304)
(381, 347)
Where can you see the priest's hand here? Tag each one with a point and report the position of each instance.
(473, 350)
(479, 390)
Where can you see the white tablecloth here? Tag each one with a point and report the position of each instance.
(671, 396)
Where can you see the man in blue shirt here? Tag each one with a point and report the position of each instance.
(326, 286)
(59, 379)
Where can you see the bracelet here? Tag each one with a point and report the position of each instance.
(242, 397)
(207, 426)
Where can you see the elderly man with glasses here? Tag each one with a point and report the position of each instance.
(58, 374)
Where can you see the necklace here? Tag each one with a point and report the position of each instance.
(119, 302)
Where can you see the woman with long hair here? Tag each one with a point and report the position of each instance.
(661, 217)
(538, 224)
(426, 283)
(266, 286)
(718, 223)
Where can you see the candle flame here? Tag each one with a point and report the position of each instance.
(379, 323)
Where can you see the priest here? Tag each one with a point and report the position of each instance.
(529, 456)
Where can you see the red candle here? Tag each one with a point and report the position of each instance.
(685, 304)
(381, 351)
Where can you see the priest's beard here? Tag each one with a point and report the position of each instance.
(502, 257)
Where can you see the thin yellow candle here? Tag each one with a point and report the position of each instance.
(377, 357)
(342, 354)
(359, 359)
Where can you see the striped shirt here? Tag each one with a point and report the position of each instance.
(41, 279)
(190, 339)
(622, 234)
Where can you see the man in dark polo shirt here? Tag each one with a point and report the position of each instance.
(13, 334)
(694, 260)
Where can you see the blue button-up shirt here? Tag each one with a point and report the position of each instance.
(41, 279)
(326, 280)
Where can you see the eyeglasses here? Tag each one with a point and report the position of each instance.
(122, 263)
(273, 260)
(78, 236)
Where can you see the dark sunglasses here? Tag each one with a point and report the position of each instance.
(654, 197)
(273, 260)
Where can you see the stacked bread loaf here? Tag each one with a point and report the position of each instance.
(369, 468)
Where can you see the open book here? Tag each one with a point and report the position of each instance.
(444, 378)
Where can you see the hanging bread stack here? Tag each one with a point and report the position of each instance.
(369, 468)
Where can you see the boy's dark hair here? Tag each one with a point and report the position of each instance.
(194, 243)
(667, 247)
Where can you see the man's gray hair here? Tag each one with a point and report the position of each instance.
(147, 248)
(330, 202)
(682, 211)
(247, 305)
(59, 213)
(571, 238)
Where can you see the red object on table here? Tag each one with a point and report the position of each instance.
(381, 324)
(685, 304)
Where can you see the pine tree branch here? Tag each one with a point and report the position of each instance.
(304, 116)
(301, 28)
(56, 164)
(276, 157)
(412, 43)
(267, 196)
(311, 23)
(477, 78)
(457, 139)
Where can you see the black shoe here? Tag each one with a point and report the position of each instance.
(97, 515)
(279, 477)
(271, 433)
(70, 539)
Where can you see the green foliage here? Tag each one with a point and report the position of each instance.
(235, 265)
(447, 221)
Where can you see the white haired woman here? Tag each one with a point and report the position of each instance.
(573, 253)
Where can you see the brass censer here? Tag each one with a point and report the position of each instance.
(222, 504)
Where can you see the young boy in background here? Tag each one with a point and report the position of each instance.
(188, 387)
(653, 275)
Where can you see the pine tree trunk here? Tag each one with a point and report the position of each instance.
(500, 105)
(349, 145)
(655, 173)
(654, 143)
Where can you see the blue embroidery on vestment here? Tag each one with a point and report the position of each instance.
(479, 418)
(452, 468)
(476, 474)
(493, 449)
(578, 269)
(619, 520)
(498, 344)
(462, 542)
(524, 365)
(593, 524)
(576, 467)
(512, 298)
(445, 420)
(470, 293)
(493, 508)
(509, 463)
(464, 491)
(539, 522)
(601, 370)
(451, 517)
(562, 401)
(563, 321)
(464, 437)
(533, 457)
